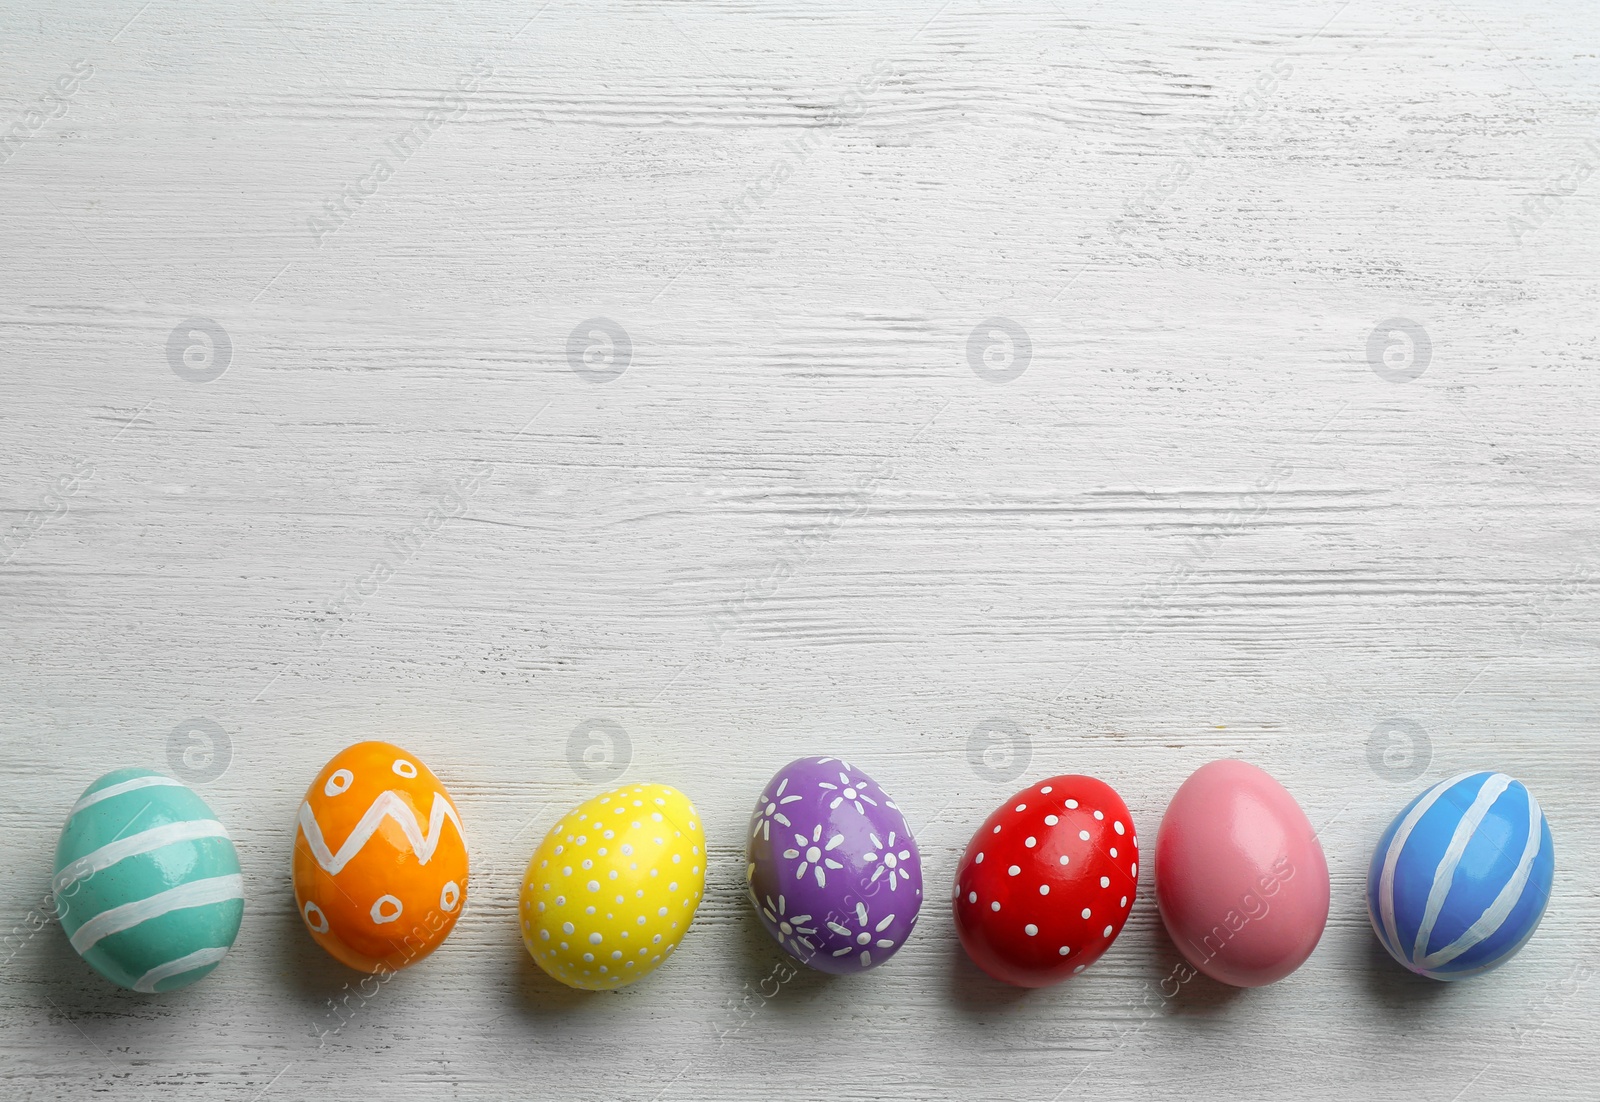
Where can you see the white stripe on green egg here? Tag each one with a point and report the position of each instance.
(147, 882)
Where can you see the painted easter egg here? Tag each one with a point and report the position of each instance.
(147, 882)
(1460, 879)
(611, 890)
(380, 861)
(1047, 882)
(831, 866)
(1241, 880)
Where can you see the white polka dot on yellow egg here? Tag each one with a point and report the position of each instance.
(607, 916)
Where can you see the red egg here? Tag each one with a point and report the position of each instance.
(1048, 881)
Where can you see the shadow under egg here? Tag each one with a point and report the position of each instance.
(311, 973)
(772, 980)
(539, 996)
(975, 993)
(1392, 987)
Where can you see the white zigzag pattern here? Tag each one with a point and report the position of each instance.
(389, 804)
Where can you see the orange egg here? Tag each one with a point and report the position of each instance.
(380, 863)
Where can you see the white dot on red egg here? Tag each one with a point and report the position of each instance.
(1064, 950)
(978, 860)
(1072, 803)
(1083, 835)
(1044, 889)
(995, 906)
(997, 828)
(1064, 859)
(1031, 841)
(1117, 826)
(1086, 912)
(1030, 929)
(1045, 790)
(1051, 820)
(1106, 932)
(1105, 881)
(1078, 969)
(1022, 807)
(1124, 901)
(1113, 851)
(972, 897)
(1014, 870)
(1135, 869)
(1099, 815)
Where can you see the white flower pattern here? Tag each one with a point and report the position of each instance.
(863, 938)
(888, 861)
(813, 855)
(849, 789)
(770, 813)
(791, 926)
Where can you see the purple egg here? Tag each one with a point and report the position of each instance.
(832, 868)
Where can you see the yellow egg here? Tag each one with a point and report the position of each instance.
(611, 890)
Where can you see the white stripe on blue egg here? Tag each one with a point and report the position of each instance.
(1460, 879)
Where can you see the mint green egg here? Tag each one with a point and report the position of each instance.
(147, 882)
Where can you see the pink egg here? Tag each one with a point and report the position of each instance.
(1241, 881)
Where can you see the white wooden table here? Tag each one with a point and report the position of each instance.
(979, 393)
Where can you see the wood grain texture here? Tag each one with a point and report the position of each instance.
(1200, 522)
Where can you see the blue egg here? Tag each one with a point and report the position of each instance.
(147, 882)
(1460, 879)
